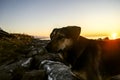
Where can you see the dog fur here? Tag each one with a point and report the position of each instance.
(87, 57)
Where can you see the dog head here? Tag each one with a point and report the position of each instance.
(63, 38)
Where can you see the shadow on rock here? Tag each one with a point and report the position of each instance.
(35, 75)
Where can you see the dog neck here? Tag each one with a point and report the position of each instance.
(76, 50)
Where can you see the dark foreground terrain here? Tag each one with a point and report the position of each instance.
(21, 55)
(16, 53)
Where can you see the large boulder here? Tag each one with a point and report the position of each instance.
(57, 70)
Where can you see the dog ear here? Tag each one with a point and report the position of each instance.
(73, 32)
(53, 32)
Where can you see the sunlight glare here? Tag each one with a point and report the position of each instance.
(114, 35)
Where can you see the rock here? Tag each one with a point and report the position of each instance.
(57, 70)
(37, 59)
(5, 75)
(26, 63)
(35, 75)
(18, 73)
(15, 70)
(117, 77)
(36, 51)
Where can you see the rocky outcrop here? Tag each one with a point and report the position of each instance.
(20, 66)
(57, 70)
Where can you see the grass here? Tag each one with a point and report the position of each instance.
(12, 48)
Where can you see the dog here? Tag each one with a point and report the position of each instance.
(90, 59)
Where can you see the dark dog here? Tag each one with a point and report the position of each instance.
(90, 58)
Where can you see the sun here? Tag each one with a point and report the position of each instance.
(114, 35)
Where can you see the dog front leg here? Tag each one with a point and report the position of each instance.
(92, 67)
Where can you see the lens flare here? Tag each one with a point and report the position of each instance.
(114, 35)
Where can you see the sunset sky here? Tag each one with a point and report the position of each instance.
(38, 17)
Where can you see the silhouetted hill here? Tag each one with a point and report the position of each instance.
(3, 33)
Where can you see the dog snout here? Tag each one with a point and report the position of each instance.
(51, 47)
